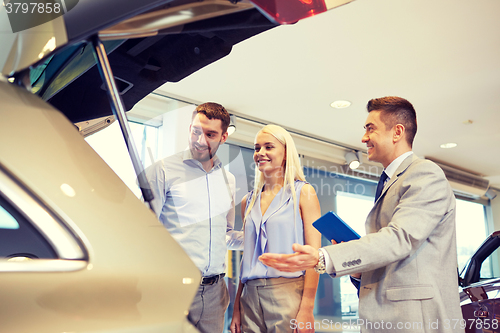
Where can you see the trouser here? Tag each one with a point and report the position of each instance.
(269, 305)
(208, 307)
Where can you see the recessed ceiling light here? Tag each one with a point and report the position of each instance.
(448, 145)
(340, 104)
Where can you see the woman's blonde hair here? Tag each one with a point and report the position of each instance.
(293, 169)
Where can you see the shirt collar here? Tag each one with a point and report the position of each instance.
(188, 156)
(391, 168)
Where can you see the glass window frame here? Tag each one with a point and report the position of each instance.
(70, 252)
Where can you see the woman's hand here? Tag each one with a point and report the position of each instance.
(304, 322)
(235, 326)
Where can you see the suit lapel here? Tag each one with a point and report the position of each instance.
(401, 169)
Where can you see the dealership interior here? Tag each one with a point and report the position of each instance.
(108, 265)
(159, 125)
(316, 85)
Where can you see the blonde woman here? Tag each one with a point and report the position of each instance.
(277, 213)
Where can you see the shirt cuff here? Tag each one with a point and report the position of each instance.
(328, 262)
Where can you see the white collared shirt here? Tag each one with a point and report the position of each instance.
(391, 168)
(197, 208)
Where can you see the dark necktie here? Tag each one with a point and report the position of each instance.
(380, 185)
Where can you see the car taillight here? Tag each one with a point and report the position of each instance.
(291, 11)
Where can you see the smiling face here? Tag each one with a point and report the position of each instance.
(379, 140)
(269, 154)
(205, 137)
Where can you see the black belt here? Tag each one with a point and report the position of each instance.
(209, 280)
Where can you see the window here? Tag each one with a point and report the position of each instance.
(487, 271)
(109, 144)
(18, 238)
(352, 208)
(471, 231)
(159, 127)
(28, 229)
(7, 221)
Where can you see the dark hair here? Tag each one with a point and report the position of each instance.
(214, 111)
(396, 110)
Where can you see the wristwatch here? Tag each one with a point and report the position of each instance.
(320, 267)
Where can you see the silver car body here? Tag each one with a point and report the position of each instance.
(118, 269)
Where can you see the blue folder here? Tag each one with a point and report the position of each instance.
(332, 227)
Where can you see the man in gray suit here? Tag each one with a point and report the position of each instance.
(408, 259)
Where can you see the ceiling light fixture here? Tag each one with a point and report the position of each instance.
(340, 104)
(232, 125)
(448, 145)
(353, 159)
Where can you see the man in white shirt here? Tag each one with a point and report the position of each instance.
(408, 259)
(194, 199)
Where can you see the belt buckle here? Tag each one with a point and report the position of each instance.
(211, 279)
(207, 281)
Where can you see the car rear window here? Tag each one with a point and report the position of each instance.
(19, 238)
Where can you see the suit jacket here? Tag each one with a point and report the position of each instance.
(408, 259)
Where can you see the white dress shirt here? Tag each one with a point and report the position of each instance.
(197, 208)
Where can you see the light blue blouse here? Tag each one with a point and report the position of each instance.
(273, 232)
